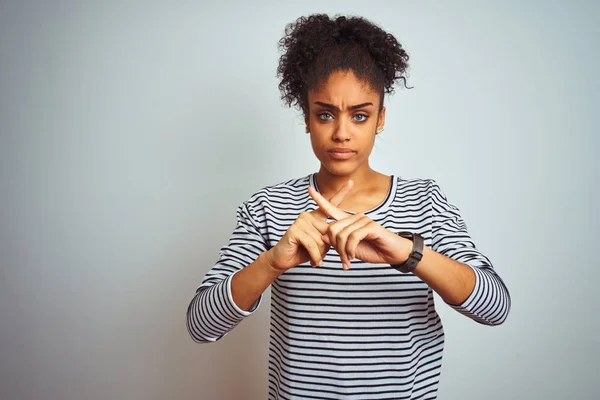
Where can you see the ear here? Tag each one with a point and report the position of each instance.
(381, 119)
(307, 123)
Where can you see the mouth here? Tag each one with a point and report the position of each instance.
(341, 154)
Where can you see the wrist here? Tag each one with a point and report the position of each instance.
(404, 248)
(415, 255)
(267, 265)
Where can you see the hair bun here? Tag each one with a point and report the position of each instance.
(317, 45)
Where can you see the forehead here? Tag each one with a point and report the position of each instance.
(343, 88)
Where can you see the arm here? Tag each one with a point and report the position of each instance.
(214, 311)
(249, 284)
(233, 288)
(452, 280)
(453, 267)
(458, 271)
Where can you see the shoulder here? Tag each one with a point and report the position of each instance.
(289, 192)
(419, 192)
(417, 187)
(420, 197)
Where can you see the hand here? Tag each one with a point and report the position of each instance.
(303, 241)
(358, 236)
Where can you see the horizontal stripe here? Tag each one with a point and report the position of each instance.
(367, 333)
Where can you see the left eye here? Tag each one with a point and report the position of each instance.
(360, 117)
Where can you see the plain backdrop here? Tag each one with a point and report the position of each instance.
(130, 132)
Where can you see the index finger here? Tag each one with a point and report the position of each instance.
(336, 200)
(325, 206)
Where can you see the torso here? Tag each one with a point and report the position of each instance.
(363, 333)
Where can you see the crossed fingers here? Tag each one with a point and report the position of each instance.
(349, 229)
(346, 234)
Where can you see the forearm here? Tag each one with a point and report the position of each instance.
(475, 292)
(219, 307)
(249, 284)
(452, 280)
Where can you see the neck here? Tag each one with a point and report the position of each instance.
(329, 183)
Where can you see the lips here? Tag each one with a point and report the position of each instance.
(341, 153)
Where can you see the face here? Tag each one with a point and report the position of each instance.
(343, 119)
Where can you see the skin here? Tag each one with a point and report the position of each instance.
(346, 185)
(332, 122)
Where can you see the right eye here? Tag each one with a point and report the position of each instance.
(325, 116)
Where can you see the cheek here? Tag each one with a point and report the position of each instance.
(317, 139)
(367, 145)
(316, 144)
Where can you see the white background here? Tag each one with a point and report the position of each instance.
(130, 131)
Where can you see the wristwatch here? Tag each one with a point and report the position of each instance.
(415, 255)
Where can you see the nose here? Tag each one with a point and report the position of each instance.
(341, 132)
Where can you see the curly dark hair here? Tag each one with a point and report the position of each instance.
(317, 45)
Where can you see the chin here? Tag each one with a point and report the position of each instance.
(341, 169)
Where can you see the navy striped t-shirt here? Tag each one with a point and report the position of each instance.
(370, 332)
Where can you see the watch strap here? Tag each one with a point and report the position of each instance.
(416, 253)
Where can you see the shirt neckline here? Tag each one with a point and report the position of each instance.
(384, 205)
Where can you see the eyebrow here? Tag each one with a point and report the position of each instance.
(332, 107)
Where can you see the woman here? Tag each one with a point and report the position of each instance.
(352, 255)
